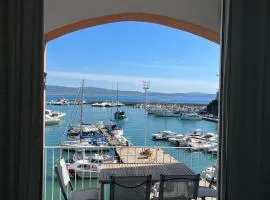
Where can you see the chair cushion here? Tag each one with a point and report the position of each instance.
(85, 194)
(206, 192)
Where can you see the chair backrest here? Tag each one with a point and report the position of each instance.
(178, 186)
(63, 177)
(130, 187)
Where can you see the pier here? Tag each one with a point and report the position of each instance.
(135, 155)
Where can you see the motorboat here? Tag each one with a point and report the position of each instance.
(106, 104)
(163, 135)
(117, 103)
(167, 113)
(83, 130)
(190, 116)
(79, 102)
(204, 136)
(55, 114)
(85, 145)
(152, 110)
(119, 115)
(114, 129)
(96, 105)
(60, 102)
(209, 173)
(199, 145)
(213, 150)
(84, 169)
(51, 120)
(175, 138)
(96, 158)
(102, 104)
(122, 141)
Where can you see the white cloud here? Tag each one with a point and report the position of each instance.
(135, 82)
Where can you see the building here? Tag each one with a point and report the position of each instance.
(243, 32)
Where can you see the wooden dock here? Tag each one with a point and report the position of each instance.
(134, 155)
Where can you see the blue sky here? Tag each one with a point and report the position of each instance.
(130, 52)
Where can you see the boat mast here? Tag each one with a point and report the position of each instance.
(81, 117)
(112, 104)
(117, 100)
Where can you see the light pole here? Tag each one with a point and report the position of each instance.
(146, 86)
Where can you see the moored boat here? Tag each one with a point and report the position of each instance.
(209, 173)
(84, 169)
(86, 145)
(163, 135)
(60, 102)
(114, 129)
(55, 114)
(167, 113)
(51, 120)
(190, 116)
(119, 115)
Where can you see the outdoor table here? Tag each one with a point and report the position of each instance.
(155, 170)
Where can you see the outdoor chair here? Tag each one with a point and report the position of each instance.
(130, 188)
(184, 187)
(64, 182)
(204, 192)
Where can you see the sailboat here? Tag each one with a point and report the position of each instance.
(86, 138)
(119, 114)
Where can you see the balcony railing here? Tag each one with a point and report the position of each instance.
(196, 160)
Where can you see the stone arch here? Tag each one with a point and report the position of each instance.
(143, 17)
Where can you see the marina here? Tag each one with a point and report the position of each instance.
(97, 140)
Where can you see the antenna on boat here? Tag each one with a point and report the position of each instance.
(146, 86)
(82, 96)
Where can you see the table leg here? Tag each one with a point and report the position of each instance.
(101, 192)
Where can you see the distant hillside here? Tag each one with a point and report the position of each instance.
(93, 91)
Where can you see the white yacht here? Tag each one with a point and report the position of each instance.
(199, 145)
(87, 130)
(190, 116)
(84, 169)
(96, 105)
(122, 141)
(114, 129)
(102, 104)
(51, 120)
(167, 113)
(209, 173)
(96, 158)
(55, 114)
(152, 110)
(60, 102)
(176, 138)
(86, 145)
(163, 135)
(117, 103)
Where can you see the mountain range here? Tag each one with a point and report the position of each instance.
(94, 91)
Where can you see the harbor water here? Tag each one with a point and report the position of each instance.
(134, 129)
